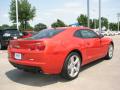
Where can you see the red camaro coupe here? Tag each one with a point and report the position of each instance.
(60, 51)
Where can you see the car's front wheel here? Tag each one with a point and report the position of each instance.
(1, 46)
(110, 52)
(71, 66)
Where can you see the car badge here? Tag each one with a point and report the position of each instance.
(17, 46)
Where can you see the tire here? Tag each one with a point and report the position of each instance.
(110, 52)
(71, 66)
(1, 47)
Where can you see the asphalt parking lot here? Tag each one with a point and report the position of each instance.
(99, 75)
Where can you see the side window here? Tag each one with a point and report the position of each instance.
(85, 34)
(77, 34)
(88, 34)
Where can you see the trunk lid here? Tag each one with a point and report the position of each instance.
(24, 44)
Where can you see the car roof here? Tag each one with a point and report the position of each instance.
(73, 28)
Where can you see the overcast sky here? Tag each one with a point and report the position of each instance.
(67, 10)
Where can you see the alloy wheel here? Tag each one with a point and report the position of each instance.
(73, 66)
(110, 51)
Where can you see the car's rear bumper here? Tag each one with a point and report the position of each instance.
(26, 67)
(47, 63)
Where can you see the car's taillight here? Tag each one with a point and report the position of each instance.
(38, 46)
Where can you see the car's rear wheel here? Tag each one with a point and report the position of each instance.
(110, 52)
(71, 66)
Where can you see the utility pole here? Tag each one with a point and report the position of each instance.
(17, 14)
(118, 15)
(100, 17)
(94, 19)
(88, 13)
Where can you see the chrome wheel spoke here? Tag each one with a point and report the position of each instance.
(72, 60)
(73, 66)
(110, 51)
(76, 69)
(72, 72)
(70, 66)
(76, 61)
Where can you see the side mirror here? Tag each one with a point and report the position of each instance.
(101, 36)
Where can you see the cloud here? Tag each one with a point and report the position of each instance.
(68, 12)
(4, 19)
(72, 4)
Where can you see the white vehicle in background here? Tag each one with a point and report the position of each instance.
(108, 33)
(105, 33)
(116, 33)
(119, 33)
(111, 33)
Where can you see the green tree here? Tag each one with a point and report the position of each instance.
(91, 23)
(40, 26)
(0, 27)
(95, 23)
(113, 26)
(28, 27)
(104, 22)
(13, 26)
(25, 11)
(5, 26)
(58, 23)
(82, 20)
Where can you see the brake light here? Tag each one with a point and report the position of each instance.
(38, 46)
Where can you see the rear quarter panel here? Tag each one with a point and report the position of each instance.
(59, 47)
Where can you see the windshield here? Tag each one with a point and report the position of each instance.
(47, 33)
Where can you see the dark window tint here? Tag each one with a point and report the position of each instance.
(1, 32)
(12, 32)
(47, 33)
(77, 34)
(86, 34)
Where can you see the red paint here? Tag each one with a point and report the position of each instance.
(26, 35)
(49, 54)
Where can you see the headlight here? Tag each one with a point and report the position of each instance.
(6, 35)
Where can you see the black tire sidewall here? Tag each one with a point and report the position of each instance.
(1, 46)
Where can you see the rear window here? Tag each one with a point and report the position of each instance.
(11, 31)
(47, 33)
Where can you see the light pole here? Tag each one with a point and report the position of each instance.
(94, 19)
(17, 14)
(88, 13)
(100, 17)
(118, 15)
